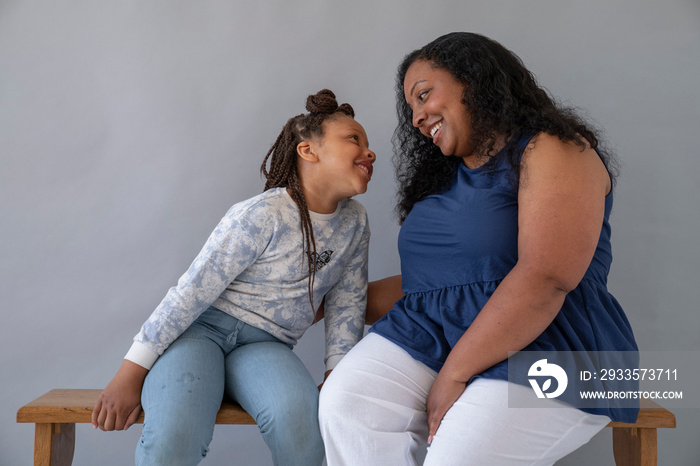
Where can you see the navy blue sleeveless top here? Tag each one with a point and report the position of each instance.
(457, 246)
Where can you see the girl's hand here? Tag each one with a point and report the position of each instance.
(119, 404)
(325, 376)
(443, 394)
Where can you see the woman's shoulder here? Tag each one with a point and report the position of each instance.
(548, 157)
(545, 148)
(546, 142)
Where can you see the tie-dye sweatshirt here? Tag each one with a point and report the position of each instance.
(254, 268)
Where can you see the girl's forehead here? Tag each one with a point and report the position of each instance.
(341, 125)
(343, 122)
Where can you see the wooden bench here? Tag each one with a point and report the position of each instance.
(56, 412)
(635, 444)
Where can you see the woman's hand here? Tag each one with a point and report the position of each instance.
(119, 404)
(443, 394)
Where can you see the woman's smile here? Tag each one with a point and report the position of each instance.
(436, 99)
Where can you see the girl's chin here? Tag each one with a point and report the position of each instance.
(362, 190)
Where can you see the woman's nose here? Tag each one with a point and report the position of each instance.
(418, 118)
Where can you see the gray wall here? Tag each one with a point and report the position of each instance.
(128, 128)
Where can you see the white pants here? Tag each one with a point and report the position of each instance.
(372, 412)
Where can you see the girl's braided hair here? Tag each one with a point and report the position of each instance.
(284, 172)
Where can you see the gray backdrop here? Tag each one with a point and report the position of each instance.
(128, 128)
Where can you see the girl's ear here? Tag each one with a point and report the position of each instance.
(305, 150)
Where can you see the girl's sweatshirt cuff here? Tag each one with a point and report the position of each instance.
(333, 361)
(141, 355)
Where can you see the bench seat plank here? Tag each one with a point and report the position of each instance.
(75, 406)
(651, 415)
(56, 412)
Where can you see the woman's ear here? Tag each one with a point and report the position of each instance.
(305, 150)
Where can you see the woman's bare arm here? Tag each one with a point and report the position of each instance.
(561, 207)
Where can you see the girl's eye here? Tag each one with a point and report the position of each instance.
(421, 95)
(355, 137)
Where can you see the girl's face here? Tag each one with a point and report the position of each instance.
(344, 160)
(435, 96)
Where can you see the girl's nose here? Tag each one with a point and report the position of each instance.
(372, 156)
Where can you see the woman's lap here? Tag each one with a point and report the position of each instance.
(481, 428)
(372, 407)
(376, 398)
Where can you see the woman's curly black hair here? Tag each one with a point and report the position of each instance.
(503, 99)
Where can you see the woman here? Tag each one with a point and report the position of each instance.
(505, 246)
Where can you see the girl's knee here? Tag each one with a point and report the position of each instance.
(291, 431)
(173, 445)
(292, 410)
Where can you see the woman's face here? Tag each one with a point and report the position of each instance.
(435, 97)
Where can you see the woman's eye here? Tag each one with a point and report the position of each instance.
(421, 95)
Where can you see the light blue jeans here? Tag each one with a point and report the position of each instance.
(217, 355)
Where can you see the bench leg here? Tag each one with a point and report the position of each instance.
(54, 444)
(634, 446)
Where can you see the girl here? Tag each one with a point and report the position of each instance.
(229, 325)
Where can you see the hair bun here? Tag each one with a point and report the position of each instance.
(322, 102)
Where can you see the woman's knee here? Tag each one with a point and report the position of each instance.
(334, 400)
